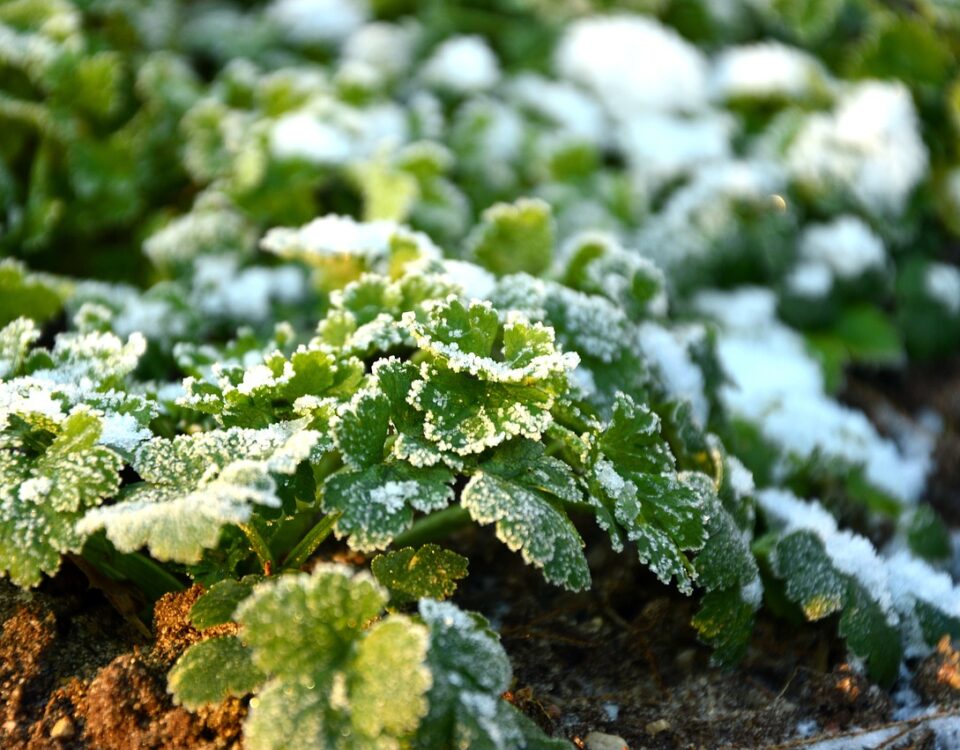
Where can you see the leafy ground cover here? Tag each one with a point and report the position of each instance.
(458, 374)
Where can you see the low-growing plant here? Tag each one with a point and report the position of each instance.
(372, 314)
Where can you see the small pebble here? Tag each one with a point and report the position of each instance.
(655, 727)
(601, 741)
(63, 729)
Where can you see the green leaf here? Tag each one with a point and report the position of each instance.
(45, 487)
(514, 237)
(927, 534)
(470, 672)
(389, 681)
(334, 680)
(467, 416)
(218, 603)
(813, 582)
(808, 20)
(410, 574)
(870, 635)
(728, 571)
(16, 338)
(331, 608)
(725, 621)
(212, 670)
(194, 485)
(361, 431)
(632, 439)
(869, 336)
(377, 503)
(639, 495)
(523, 490)
(29, 295)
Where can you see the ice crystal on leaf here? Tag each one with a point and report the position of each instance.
(50, 474)
(888, 606)
(334, 681)
(523, 492)
(194, 485)
(471, 399)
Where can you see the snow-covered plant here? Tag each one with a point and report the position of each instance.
(351, 676)
(403, 272)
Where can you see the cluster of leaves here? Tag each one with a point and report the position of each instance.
(453, 355)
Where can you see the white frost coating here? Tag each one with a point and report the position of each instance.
(942, 283)
(35, 489)
(778, 386)
(765, 69)
(301, 135)
(220, 290)
(633, 63)
(611, 481)
(850, 553)
(462, 64)
(331, 235)
(741, 479)
(317, 21)
(394, 495)
(700, 212)
(846, 244)
(562, 103)
(912, 580)
(810, 279)
(664, 145)
(386, 46)
(869, 146)
(752, 593)
(476, 281)
(943, 730)
(667, 350)
(122, 431)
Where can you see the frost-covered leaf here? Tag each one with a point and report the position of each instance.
(378, 502)
(468, 416)
(827, 571)
(29, 295)
(361, 430)
(49, 476)
(395, 379)
(276, 389)
(410, 574)
(16, 338)
(470, 672)
(523, 491)
(335, 681)
(462, 337)
(218, 603)
(640, 496)
(212, 670)
(728, 572)
(514, 237)
(194, 485)
(474, 395)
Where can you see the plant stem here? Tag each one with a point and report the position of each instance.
(308, 545)
(435, 526)
(259, 545)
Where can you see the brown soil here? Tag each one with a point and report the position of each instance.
(72, 675)
(620, 659)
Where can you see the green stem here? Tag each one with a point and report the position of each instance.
(308, 545)
(435, 526)
(259, 545)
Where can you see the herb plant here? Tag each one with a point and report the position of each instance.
(486, 279)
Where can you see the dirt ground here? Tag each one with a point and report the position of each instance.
(620, 659)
